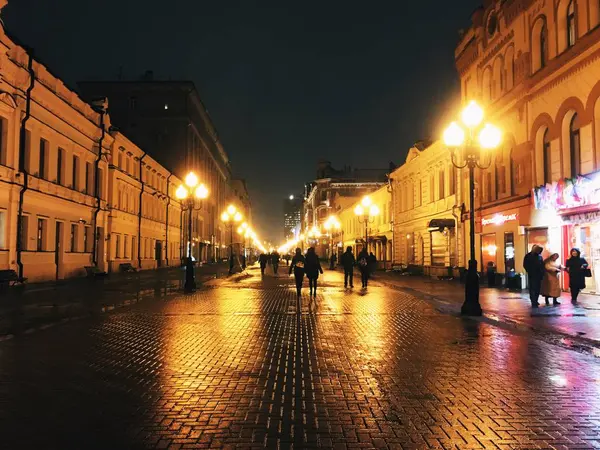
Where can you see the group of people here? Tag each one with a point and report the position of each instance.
(544, 275)
(271, 258)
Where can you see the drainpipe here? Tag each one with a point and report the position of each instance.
(167, 221)
(390, 189)
(22, 168)
(102, 112)
(456, 237)
(140, 212)
(181, 235)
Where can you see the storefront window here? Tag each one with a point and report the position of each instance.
(509, 252)
(439, 245)
(488, 251)
(586, 238)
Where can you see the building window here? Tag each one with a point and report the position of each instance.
(60, 169)
(75, 173)
(43, 162)
(500, 180)
(543, 46)
(571, 36)
(100, 182)
(452, 181)
(514, 180)
(41, 235)
(2, 229)
(575, 146)
(3, 130)
(488, 186)
(419, 192)
(74, 237)
(442, 185)
(88, 178)
(87, 239)
(24, 227)
(547, 153)
(125, 246)
(118, 246)
(431, 188)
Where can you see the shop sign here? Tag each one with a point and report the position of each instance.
(567, 193)
(500, 219)
(576, 219)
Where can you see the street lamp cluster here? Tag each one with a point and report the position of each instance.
(473, 141)
(188, 193)
(366, 212)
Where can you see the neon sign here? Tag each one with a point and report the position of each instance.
(500, 219)
(567, 193)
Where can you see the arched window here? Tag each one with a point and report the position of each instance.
(575, 146)
(571, 24)
(509, 68)
(486, 86)
(498, 78)
(514, 175)
(539, 44)
(547, 154)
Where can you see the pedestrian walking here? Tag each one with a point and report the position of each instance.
(348, 262)
(534, 266)
(372, 264)
(313, 268)
(363, 266)
(578, 270)
(262, 260)
(332, 261)
(297, 266)
(275, 260)
(550, 283)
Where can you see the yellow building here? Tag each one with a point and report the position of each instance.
(426, 205)
(378, 229)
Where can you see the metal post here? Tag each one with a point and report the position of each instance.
(230, 248)
(190, 279)
(471, 306)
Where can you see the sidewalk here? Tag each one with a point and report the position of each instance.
(39, 305)
(580, 323)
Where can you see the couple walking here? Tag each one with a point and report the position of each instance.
(365, 265)
(308, 265)
(543, 275)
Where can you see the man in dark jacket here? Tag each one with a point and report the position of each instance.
(262, 259)
(348, 263)
(534, 265)
(275, 261)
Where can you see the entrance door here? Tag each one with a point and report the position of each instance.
(158, 253)
(58, 248)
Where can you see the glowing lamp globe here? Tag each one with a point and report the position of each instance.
(454, 135)
(374, 210)
(231, 210)
(359, 210)
(490, 137)
(191, 180)
(181, 192)
(472, 115)
(201, 192)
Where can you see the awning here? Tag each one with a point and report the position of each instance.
(372, 239)
(442, 223)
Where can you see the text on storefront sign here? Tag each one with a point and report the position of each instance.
(499, 219)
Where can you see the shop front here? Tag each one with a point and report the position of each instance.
(567, 215)
(503, 244)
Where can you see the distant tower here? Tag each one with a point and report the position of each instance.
(292, 215)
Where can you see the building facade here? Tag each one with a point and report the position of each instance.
(427, 205)
(334, 190)
(169, 121)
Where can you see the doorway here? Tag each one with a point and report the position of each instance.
(158, 253)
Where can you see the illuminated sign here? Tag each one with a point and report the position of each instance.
(499, 219)
(567, 193)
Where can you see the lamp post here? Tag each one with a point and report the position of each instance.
(188, 193)
(332, 223)
(244, 231)
(477, 138)
(230, 217)
(366, 212)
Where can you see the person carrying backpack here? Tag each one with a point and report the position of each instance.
(363, 266)
(297, 266)
(348, 262)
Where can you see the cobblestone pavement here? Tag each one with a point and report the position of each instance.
(242, 364)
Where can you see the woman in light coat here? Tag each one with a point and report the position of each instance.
(550, 282)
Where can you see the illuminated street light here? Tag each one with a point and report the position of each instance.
(186, 193)
(366, 212)
(230, 217)
(489, 137)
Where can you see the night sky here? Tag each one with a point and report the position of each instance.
(286, 83)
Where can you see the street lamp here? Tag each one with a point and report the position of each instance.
(475, 141)
(187, 193)
(332, 223)
(230, 217)
(366, 212)
(244, 231)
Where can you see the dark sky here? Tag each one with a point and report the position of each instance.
(286, 83)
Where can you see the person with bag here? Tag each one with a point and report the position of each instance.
(550, 282)
(578, 270)
(312, 268)
(363, 266)
(348, 262)
(297, 266)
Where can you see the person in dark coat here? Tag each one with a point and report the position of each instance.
(297, 266)
(275, 261)
(348, 262)
(372, 264)
(363, 266)
(577, 268)
(313, 268)
(534, 266)
(332, 261)
(262, 260)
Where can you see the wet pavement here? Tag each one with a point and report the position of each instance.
(580, 323)
(242, 364)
